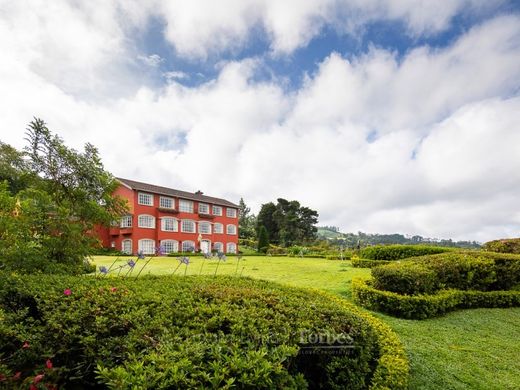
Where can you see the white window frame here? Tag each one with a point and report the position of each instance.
(216, 210)
(194, 226)
(204, 223)
(141, 196)
(183, 203)
(173, 243)
(139, 221)
(127, 240)
(126, 222)
(164, 223)
(234, 228)
(205, 206)
(231, 213)
(166, 199)
(218, 228)
(191, 245)
(233, 245)
(219, 245)
(147, 246)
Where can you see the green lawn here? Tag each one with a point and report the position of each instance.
(469, 349)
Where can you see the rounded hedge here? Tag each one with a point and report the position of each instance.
(507, 245)
(189, 332)
(398, 252)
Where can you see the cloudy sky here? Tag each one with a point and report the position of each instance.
(383, 115)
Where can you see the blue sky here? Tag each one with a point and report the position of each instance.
(385, 116)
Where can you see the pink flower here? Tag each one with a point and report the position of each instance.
(113, 289)
(26, 345)
(2, 377)
(67, 291)
(32, 387)
(38, 378)
(17, 376)
(48, 364)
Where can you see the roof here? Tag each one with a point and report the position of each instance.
(139, 186)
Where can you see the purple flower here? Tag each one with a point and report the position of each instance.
(159, 251)
(140, 255)
(184, 260)
(103, 270)
(131, 263)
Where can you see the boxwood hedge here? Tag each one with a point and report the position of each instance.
(398, 252)
(188, 332)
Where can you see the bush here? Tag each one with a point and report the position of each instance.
(406, 278)
(398, 252)
(509, 245)
(188, 332)
(427, 306)
(364, 263)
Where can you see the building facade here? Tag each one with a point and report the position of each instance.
(178, 221)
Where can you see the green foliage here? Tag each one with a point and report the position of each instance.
(509, 245)
(364, 263)
(288, 223)
(406, 278)
(263, 240)
(189, 332)
(427, 306)
(246, 221)
(398, 252)
(52, 201)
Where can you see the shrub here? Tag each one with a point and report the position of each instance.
(427, 306)
(364, 263)
(398, 252)
(406, 278)
(188, 332)
(509, 245)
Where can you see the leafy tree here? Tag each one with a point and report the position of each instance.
(263, 239)
(246, 221)
(52, 198)
(266, 219)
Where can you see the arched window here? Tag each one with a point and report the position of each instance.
(188, 246)
(126, 246)
(218, 247)
(231, 247)
(204, 227)
(231, 229)
(147, 246)
(187, 226)
(218, 228)
(169, 224)
(170, 246)
(146, 221)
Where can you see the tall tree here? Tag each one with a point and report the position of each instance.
(266, 218)
(246, 221)
(263, 239)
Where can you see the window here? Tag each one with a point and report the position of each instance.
(169, 224)
(146, 221)
(166, 203)
(145, 199)
(231, 247)
(188, 226)
(186, 206)
(126, 246)
(170, 246)
(188, 246)
(218, 228)
(126, 221)
(217, 210)
(231, 229)
(218, 247)
(147, 246)
(231, 213)
(204, 227)
(203, 208)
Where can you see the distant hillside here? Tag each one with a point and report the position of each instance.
(333, 234)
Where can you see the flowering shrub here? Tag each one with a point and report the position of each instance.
(188, 332)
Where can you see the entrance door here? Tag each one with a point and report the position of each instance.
(205, 246)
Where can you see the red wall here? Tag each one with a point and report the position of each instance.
(116, 235)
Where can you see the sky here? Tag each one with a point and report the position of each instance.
(385, 116)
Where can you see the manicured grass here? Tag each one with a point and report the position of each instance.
(469, 349)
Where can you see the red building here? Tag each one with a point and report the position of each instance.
(178, 221)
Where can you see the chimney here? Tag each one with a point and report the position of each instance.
(199, 192)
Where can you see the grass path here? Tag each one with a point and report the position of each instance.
(469, 349)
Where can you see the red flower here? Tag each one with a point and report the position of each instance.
(32, 387)
(67, 291)
(48, 363)
(38, 378)
(113, 289)
(2, 377)
(26, 345)
(17, 376)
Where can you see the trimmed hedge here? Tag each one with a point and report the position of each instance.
(187, 332)
(364, 263)
(398, 252)
(406, 278)
(507, 245)
(427, 306)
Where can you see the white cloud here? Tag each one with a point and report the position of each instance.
(424, 144)
(176, 75)
(153, 60)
